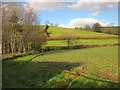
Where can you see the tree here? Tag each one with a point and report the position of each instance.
(47, 22)
(56, 24)
(69, 38)
(20, 29)
(96, 27)
(51, 24)
(87, 27)
(46, 30)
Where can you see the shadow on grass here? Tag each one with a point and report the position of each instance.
(17, 74)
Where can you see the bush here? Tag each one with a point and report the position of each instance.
(58, 82)
(67, 80)
(83, 82)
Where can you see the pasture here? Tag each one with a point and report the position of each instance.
(58, 32)
(45, 45)
(89, 67)
(42, 70)
(81, 42)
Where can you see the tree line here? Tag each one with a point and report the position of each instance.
(20, 29)
(97, 27)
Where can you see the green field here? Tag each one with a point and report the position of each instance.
(61, 32)
(38, 69)
(45, 45)
(63, 68)
(81, 42)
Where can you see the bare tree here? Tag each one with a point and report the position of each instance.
(20, 29)
(56, 24)
(69, 38)
(47, 22)
(51, 24)
(87, 27)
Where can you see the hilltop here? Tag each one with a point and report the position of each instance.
(59, 33)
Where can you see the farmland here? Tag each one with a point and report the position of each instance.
(39, 70)
(64, 68)
(59, 45)
(81, 42)
(58, 32)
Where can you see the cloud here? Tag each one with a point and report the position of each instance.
(62, 25)
(81, 22)
(95, 13)
(51, 0)
(45, 5)
(68, 0)
(94, 6)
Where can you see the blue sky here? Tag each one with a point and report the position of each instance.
(63, 16)
(79, 13)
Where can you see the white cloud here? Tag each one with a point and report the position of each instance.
(62, 25)
(46, 5)
(51, 0)
(68, 0)
(94, 6)
(81, 22)
(95, 13)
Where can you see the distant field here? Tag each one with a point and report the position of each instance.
(111, 30)
(58, 32)
(81, 42)
(35, 70)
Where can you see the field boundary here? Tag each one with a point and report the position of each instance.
(63, 38)
(50, 48)
(53, 48)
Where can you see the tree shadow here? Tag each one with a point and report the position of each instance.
(17, 74)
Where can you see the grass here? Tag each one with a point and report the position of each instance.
(61, 32)
(37, 70)
(81, 42)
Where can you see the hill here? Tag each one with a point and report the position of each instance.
(60, 33)
(111, 30)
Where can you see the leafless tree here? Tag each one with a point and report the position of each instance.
(20, 29)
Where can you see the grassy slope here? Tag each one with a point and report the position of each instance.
(81, 42)
(58, 32)
(34, 72)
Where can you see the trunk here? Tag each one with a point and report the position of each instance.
(12, 48)
(3, 48)
(12, 42)
(69, 42)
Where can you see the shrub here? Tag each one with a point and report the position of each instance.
(58, 82)
(83, 82)
(67, 80)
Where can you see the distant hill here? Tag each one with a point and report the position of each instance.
(60, 33)
(111, 30)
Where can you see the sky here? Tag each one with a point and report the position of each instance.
(76, 14)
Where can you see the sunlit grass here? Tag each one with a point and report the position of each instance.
(81, 42)
(36, 71)
(61, 32)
